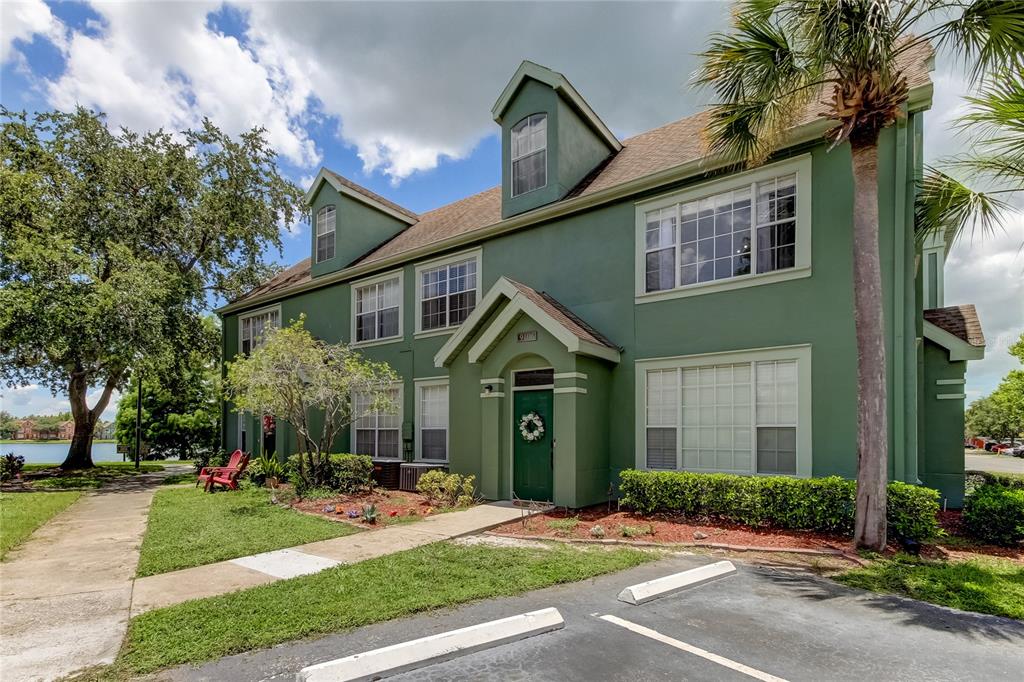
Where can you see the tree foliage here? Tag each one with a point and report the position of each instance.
(1000, 414)
(309, 384)
(113, 244)
(180, 409)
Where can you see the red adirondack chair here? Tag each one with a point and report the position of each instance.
(227, 477)
(207, 472)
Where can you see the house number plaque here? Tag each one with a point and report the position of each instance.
(523, 337)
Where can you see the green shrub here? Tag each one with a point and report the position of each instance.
(10, 466)
(345, 473)
(446, 490)
(351, 473)
(823, 504)
(564, 527)
(995, 513)
(979, 478)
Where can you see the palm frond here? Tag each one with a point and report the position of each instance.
(989, 34)
(996, 116)
(948, 207)
(1006, 172)
(761, 81)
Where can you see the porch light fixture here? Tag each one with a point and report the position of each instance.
(488, 388)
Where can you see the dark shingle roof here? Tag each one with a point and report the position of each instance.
(661, 149)
(959, 320)
(563, 315)
(342, 180)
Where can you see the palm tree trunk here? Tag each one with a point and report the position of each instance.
(872, 411)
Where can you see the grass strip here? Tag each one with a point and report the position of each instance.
(430, 577)
(188, 527)
(22, 513)
(984, 585)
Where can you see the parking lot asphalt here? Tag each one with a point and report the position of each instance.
(778, 622)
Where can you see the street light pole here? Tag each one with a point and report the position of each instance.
(138, 425)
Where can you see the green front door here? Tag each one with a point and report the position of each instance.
(532, 460)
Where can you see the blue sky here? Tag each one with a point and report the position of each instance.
(397, 96)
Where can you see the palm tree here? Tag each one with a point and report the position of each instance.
(995, 127)
(783, 54)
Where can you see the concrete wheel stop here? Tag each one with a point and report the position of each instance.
(670, 584)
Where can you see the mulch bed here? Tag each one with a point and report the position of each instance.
(669, 529)
(661, 528)
(959, 545)
(393, 506)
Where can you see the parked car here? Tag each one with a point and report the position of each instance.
(1003, 448)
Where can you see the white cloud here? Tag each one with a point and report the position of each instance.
(33, 399)
(412, 84)
(160, 65)
(24, 19)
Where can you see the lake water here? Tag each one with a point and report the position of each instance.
(54, 453)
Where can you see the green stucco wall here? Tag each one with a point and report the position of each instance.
(573, 148)
(359, 229)
(586, 261)
(942, 453)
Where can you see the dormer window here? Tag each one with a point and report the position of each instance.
(325, 234)
(529, 154)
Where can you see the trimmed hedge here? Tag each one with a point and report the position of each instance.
(992, 478)
(995, 513)
(822, 504)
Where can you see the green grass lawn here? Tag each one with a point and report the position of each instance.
(85, 478)
(989, 585)
(189, 527)
(430, 577)
(22, 513)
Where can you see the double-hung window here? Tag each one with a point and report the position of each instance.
(529, 144)
(745, 413)
(753, 225)
(325, 229)
(378, 309)
(253, 326)
(447, 292)
(432, 419)
(377, 433)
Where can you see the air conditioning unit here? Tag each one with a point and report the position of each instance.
(411, 472)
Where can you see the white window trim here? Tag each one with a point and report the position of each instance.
(400, 275)
(447, 260)
(512, 159)
(256, 313)
(317, 235)
(419, 385)
(400, 385)
(800, 353)
(801, 166)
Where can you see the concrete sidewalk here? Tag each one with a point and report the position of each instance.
(65, 593)
(157, 591)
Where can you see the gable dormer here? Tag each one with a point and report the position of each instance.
(550, 139)
(348, 221)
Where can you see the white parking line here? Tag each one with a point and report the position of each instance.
(689, 648)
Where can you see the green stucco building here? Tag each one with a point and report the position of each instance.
(643, 302)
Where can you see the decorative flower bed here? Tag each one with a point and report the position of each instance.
(392, 506)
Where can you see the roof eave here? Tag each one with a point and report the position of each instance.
(958, 348)
(324, 176)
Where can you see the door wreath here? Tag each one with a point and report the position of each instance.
(531, 427)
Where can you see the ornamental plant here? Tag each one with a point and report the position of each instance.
(309, 384)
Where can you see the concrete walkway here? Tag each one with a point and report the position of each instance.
(65, 593)
(157, 591)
